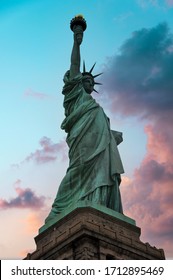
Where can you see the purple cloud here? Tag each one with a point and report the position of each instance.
(139, 82)
(49, 151)
(169, 2)
(26, 198)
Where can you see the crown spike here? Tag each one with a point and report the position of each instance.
(95, 90)
(97, 75)
(98, 83)
(84, 68)
(92, 68)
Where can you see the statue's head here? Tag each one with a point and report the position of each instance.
(88, 79)
(88, 83)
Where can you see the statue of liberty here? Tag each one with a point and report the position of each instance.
(95, 167)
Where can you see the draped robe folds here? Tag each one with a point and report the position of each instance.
(94, 161)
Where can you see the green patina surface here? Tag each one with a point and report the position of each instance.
(95, 167)
(86, 204)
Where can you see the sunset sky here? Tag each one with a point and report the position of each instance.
(132, 43)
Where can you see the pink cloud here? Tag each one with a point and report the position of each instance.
(148, 196)
(23, 253)
(160, 138)
(169, 2)
(138, 83)
(38, 95)
(49, 151)
(34, 221)
(26, 198)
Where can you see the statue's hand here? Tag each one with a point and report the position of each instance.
(78, 34)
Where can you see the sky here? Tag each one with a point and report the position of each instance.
(131, 42)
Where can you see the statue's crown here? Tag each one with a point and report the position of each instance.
(85, 73)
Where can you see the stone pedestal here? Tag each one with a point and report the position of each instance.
(87, 232)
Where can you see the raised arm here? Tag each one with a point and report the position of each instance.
(75, 55)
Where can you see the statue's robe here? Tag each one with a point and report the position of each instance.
(94, 161)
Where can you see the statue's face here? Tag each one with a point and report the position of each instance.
(88, 84)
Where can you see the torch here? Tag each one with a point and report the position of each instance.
(78, 20)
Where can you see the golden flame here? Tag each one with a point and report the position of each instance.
(79, 16)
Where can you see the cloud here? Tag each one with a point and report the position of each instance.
(138, 81)
(26, 198)
(148, 198)
(169, 3)
(161, 4)
(143, 3)
(31, 223)
(49, 151)
(38, 95)
(34, 220)
(123, 17)
(23, 253)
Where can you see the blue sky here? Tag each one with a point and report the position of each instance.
(35, 50)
